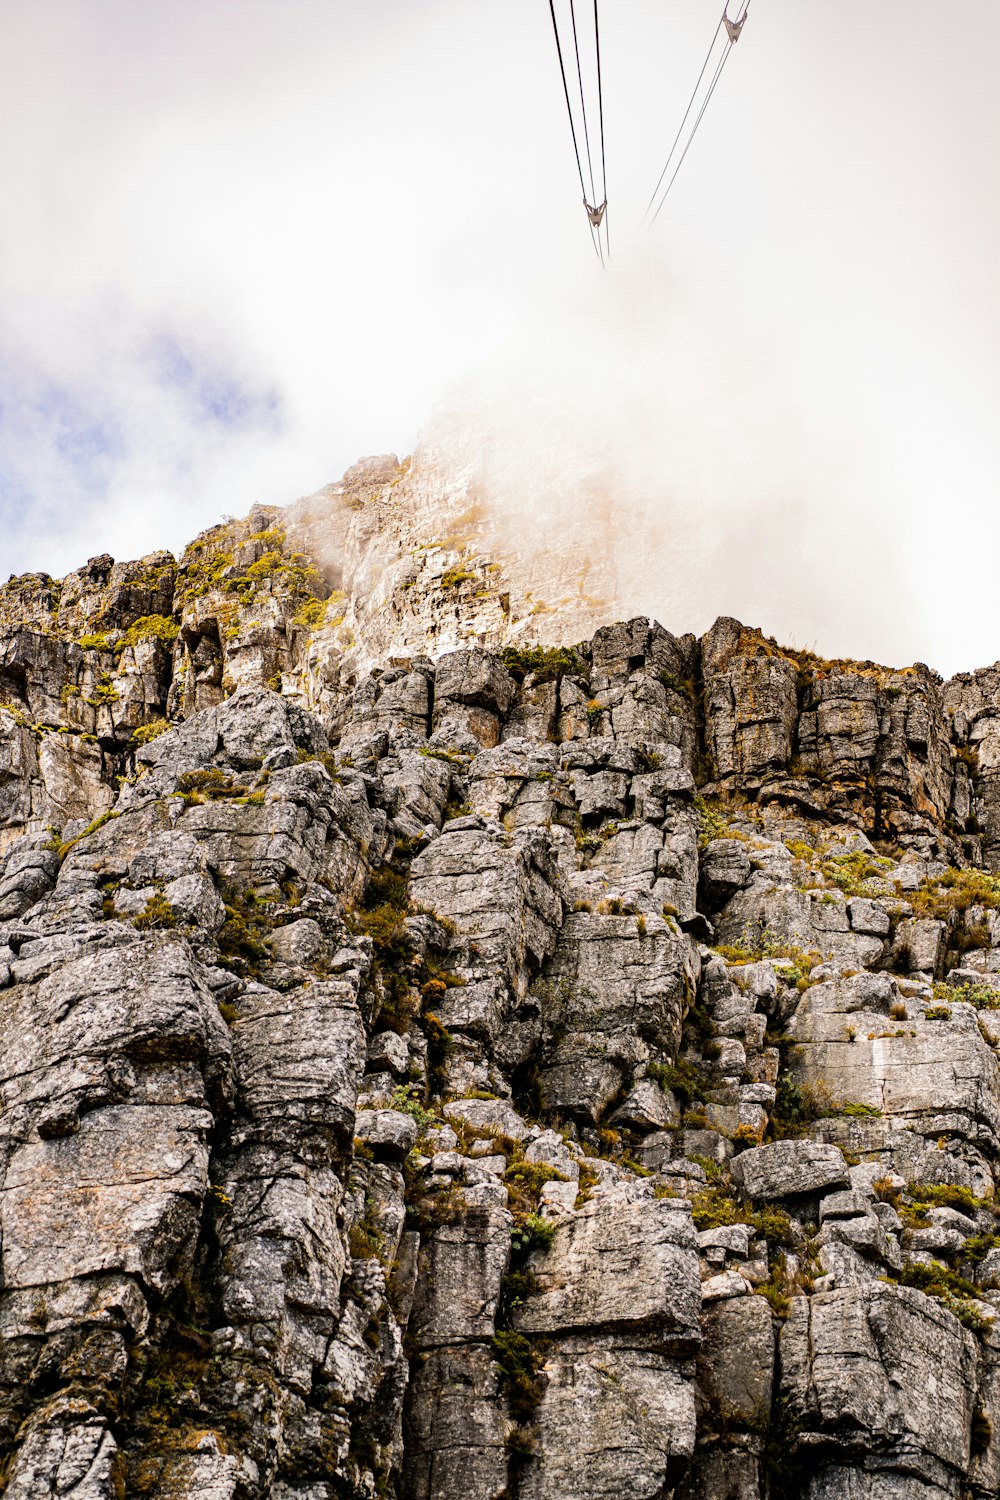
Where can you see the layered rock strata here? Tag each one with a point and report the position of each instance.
(444, 1058)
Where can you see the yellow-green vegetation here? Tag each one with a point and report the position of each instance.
(157, 913)
(949, 1287)
(714, 823)
(684, 1078)
(327, 760)
(97, 641)
(311, 614)
(954, 891)
(925, 1195)
(939, 1280)
(208, 565)
(450, 757)
(104, 693)
(363, 1238)
(455, 577)
(525, 1180)
(211, 784)
(243, 936)
(162, 628)
(982, 996)
(519, 1363)
(17, 713)
(543, 663)
(595, 712)
(150, 731)
(682, 685)
(381, 916)
(588, 841)
(857, 874)
(819, 667)
(714, 1209)
(98, 823)
(798, 1105)
(764, 943)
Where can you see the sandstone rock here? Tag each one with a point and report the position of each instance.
(205, 1282)
(882, 1368)
(789, 1168)
(613, 1420)
(619, 1265)
(736, 1363)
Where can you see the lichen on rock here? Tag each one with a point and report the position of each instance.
(455, 1047)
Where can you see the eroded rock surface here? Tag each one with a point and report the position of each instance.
(449, 1059)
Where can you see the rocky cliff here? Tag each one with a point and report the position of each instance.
(457, 1046)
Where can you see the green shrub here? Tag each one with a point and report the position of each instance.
(519, 1363)
(544, 663)
(98, 823)
(157, 913)
(531, 1232)
(982, 996)
(160, 628)
(311, 614)
(683, 1078)
(455, 577)
(525, 1180)
(150, 731)
(243, 935)
(948, 1195)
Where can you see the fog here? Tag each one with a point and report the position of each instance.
(243, 243)
(677, 443)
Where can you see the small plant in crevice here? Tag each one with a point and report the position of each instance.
(156, 914)
(542, 663)
(243, 937)
(438, 1047)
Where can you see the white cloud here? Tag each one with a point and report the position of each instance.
(344, 210)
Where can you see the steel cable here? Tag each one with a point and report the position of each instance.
(600, 106)
(694, 129)
(569, 111)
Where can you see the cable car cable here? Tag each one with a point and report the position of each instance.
(583, 107)
(600, 106)
(569, 111)
(687, 112)
(694, 129)
(733, 29)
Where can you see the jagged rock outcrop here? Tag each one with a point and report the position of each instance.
(447, 1057)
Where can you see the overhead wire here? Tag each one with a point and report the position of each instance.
(694, 130)
(730, 43)
(600, 106)
(595, 238)
(583, 107)
(694, 95)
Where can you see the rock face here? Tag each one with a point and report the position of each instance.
(444, 1057)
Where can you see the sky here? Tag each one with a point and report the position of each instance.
(245, 242)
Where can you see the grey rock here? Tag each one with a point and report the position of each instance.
(889, 1361)
(386, 1131)
(736, 1363)
(617, 1265)
(493, 1119)
(613, 1420)
(787, 1169)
